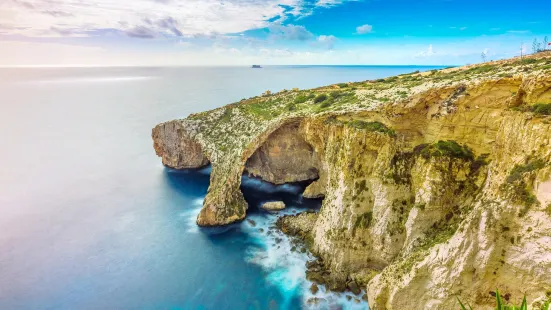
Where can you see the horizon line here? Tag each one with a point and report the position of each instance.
(215, 66)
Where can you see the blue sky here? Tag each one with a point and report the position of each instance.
(242, 32)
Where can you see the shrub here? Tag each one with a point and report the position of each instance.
(326, 104)
(363, 221)
(541, 108)
(519, 170)
(528, 61)
(448, 148)
(320, 98)
(480, 69)
(372, 126)
(301, 99)
(342, 85)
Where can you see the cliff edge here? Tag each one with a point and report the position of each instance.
(435, 184)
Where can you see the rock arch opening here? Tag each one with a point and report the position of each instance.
(284, 157)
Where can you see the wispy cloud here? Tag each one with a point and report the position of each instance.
(364, 29)
(166, 17)
(429, 52)
(290, 32)
(518, 31)
(141, 32)
(327, 42)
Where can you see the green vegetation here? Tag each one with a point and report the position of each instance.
(480, 161)
(265, 109)
(519, 170)
(447, 148)
(517, 188)
(541, 108)
(481, 69)
(528, 61)
(326, 104)
(301, 99)
(363, 221)
(320, 98)
(336, 94)
(342, 85)
(501, 304)
(372, 126)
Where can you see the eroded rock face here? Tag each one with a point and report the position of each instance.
(414, 221)
(285, 157)
(176, 148)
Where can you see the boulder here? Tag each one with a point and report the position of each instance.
(274, 206)
(314, 288)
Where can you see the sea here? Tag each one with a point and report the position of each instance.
(91, 219)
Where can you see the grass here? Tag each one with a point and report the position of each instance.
(263, 108)
(541, 108)
(501, 304)
(447, 148)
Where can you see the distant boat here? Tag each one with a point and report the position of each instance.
(256, 67)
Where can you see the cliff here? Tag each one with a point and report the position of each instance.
(436, 184)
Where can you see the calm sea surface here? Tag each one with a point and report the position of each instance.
(90, 219)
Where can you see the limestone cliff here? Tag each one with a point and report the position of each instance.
(436, 184)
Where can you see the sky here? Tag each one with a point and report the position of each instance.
(267, 32)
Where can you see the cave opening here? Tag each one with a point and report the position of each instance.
(281, 169)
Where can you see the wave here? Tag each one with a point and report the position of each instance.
(190, 215)
(285, 268)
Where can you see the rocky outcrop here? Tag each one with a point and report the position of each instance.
(273, 206)
(434, 185)
(177, 149)
(315, 190)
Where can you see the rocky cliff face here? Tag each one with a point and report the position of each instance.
(436, 185)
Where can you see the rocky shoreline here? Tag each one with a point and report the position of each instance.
(300, 226)
(434, 185)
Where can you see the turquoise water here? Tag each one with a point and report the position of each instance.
(90, 219)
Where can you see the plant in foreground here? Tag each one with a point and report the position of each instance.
(500, 304)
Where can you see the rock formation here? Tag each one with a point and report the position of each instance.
(435, 185)
(273, 206)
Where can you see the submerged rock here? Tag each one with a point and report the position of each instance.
(251, 222)
(273, 206)
(314, 301)
(314, 288)
(353, 287)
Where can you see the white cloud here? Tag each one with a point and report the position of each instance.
(141, 18)
(364, 29)
(329, 3)
(290, 32)
(327, 41)
(428, 53)
(270, 53)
